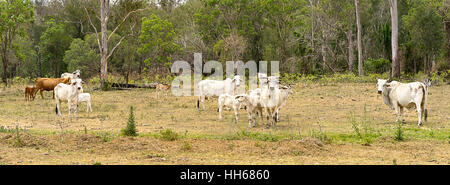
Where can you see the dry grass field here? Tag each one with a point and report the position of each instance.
(343, 123)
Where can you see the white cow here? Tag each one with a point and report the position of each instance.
(69, 94)
(73, 75)
(270, 100)
(397, 96)
(286, 91)
(253, 105)
(85, 97)
(212, 88)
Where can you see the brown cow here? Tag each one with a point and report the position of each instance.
(30, 93)
(162, 87)
(49, 84)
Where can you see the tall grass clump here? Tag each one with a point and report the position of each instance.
(366, 134)
(130, 130)
(320, 135)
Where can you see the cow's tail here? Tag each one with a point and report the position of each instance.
(56, 109)
(198, 103)
(424, 100)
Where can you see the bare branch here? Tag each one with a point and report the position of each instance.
(123, 20)
(114, 48)
(96, 33)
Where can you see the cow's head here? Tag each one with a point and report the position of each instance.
(427, 82)
(76, 73)
(76, 83)
(273, 82)
(381, 83)
(241, 98)
(287, 88)
(237, 80)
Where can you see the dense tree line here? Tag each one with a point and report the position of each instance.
(139, 38)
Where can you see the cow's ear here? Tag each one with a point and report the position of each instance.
(82, 82)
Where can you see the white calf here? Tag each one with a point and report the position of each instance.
(226, 100)
(85, 97)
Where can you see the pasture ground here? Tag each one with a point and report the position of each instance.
(342, 123)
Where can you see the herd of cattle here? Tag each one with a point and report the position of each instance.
(271, 96)
(266, 100)
(65, 89)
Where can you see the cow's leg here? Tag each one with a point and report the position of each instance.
(419, 113)
(274, 117)
(203, 102)
(250, 118)
(220, 112)
(70, 106)
(397, 112)
(269, 118)
(42, 95)
(277, 119)
(75, 111)
(236, 113)
(253, 111)
(89, 106)
(402, 114)
(58, 107)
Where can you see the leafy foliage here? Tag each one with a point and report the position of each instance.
(157, 40)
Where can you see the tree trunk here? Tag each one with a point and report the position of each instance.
(425, 64)
(394, 37)
(446, 22)
(358, 25)
(5, 67)
(39, 63)
(351, 57)
(415, 66)
(104, 10)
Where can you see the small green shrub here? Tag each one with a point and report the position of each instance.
(398, 135)
(19, 142)
(186, 146)
(130, 130)
(168, 135)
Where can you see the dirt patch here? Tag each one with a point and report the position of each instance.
(23, 139)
